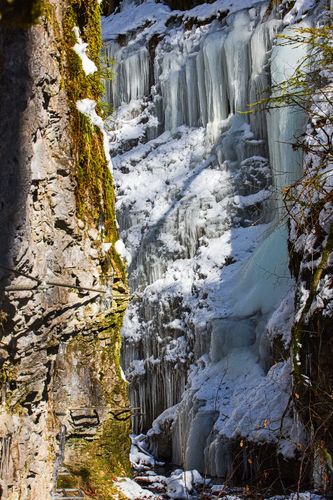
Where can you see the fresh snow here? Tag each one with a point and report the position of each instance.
(132, 17)
(123, 252)
(299, 10)
(88, 108)
(131, 490)
(140, 458)
(200, 212)
(149, 17)
(80, 48)
(281, 322)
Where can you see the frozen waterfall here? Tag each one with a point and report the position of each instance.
(200, 211)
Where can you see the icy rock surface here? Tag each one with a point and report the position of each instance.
(200, 213)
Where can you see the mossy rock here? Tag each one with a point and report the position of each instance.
(20, 13)
(95, 464)
(95, 198)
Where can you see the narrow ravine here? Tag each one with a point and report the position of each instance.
(166, 249)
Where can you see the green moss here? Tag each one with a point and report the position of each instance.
(102, 461)
(8, 376)
(95, 464)
(21, 13)
(86, 15)
(67, 482)
(95, 188)
(6, 373)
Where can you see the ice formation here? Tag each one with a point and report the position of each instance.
(201, 214)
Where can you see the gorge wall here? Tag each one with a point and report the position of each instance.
(226, 341)
(209, 342)
(63, 286)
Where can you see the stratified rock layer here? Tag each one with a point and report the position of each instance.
(60, 374)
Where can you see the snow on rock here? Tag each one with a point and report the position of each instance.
(88, 108)
(132, 16)
(299, 10)
(295, 496)
(123, 252)
(281, 322)
(140, 458)
(189, 485)
(180, 484)
(166, 417)
(200, 210)
(131, 490)
(80, 48)
(152, 17)
(131, 123)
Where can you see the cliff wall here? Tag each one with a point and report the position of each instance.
(63, 287)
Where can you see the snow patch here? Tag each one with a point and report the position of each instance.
(140, 458)
(131, 490)
(299, 10)
(123, 252)
(88, 108)
(282, 320)
(89, 67)
(200, 211)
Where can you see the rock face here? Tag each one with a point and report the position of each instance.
(311, 259)
(109, 6)
(185, 4)
(59, 342)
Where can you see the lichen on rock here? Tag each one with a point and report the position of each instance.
(63, 291)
